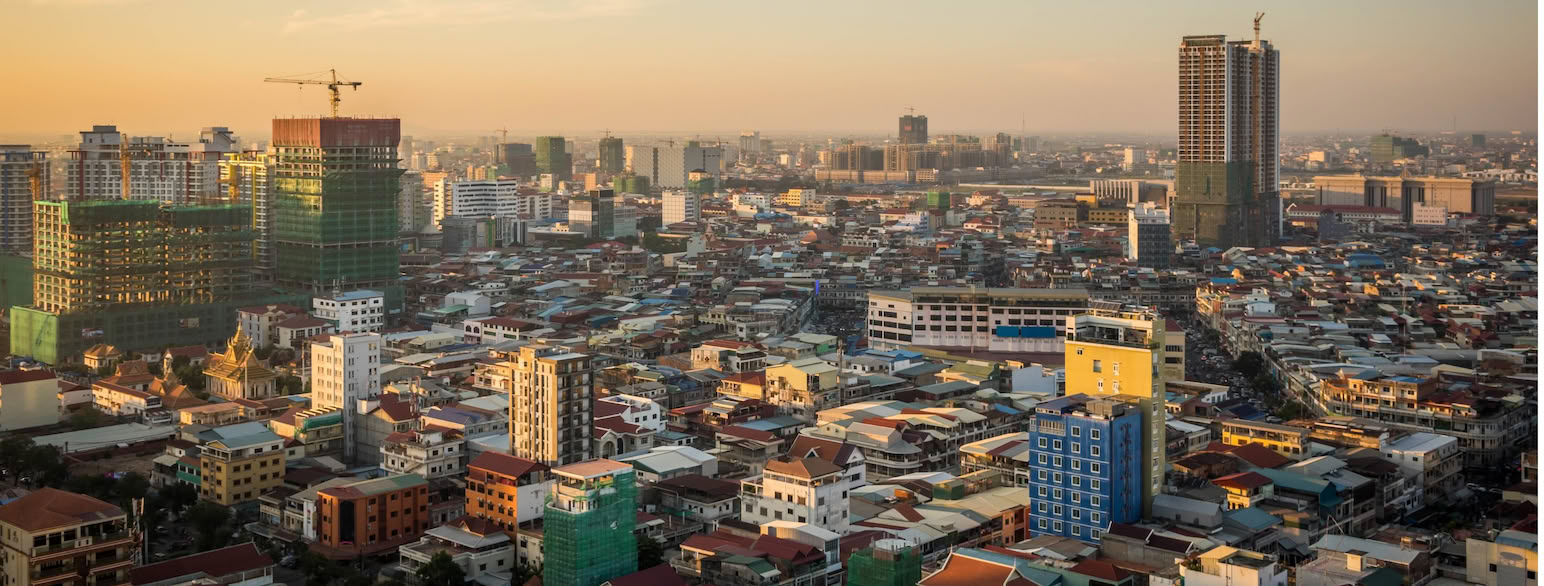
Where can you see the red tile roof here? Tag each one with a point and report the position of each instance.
(1101, 570)
(50, 508)
(505, 464)
(225, 561)
(1242, 480)
(15, 377)
(660, 575)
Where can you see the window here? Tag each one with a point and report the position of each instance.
(1077, 498)
(1094, 483)
(1076, 530)
(1042, 459)
(1042, 443)
(1077, 448)
(1077, 514)
(1077, 481)
(1093, 500)
(1040, 506)
(1094, 467)
(1056, 445)
(1093, 451)
(1042, 525)
(1042, 491)
(1056, 510)
(1077, 432)
(1098, 366)
(1077, 464)
(1093, 434)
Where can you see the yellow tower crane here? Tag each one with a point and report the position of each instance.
(332, 83)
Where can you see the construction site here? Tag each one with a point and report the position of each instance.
(135, 273)
(591, 513)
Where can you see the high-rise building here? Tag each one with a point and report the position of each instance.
(102, 547)
(1133, 157)
(504, 198)
(680, 206)
(1386, 148)
(135, 274)
(1117, 352)
(410, 200)
(335, 183)
(979, 318)
(344, 369)
(676, 163)
(750, 142)
(159, 169)
(22, 171)
(405, 152)
(613, 159)
(913, 130)
(519, 159)
(1147, 236)
(552, 389)
(593, 213)
(1477, 140)
(1085, 456)
(244, 177)
(587, 534)
(1229, 133)
(553, 158)
(506, 490)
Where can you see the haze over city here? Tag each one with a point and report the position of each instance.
(173, 66)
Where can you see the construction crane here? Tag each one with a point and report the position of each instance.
(332, 84)
(498, 151)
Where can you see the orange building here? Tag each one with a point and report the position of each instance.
(506, 489)
(365, 517)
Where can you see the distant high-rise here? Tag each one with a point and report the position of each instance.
(1225, 180)
(552, 157)
(21, 170)
(553, 389)
(913, 129)
(1386, 148)
(519, 159)
(1477, 140)
(244, 177)
(160, 169)
(750, 142)
(680, 206)
(613, 158)
(594, 213)
(335, 186)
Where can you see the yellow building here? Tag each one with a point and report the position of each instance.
(56, 537)
(804, 387)
(242, 462)
(796, 198)
(1173, 368)
(1512, 559)
(1118, 351)
(1245, 489)
(1110, 216)
(1286, 440)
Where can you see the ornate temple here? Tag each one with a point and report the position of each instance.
(237, 373)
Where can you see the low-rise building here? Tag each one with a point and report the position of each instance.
(238, 463)
(242, 564)
(1008, 454)
(51, 535)
(432, 452)
(28, 398)
(369, 516)
(481, 548)
(506, 490)
(1286, 440)
(1229, 566)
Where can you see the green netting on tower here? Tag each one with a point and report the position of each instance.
(881, 566)
(593, 542)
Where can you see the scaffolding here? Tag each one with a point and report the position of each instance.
(588, 534)
(889, 562)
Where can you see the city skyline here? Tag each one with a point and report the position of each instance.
(669, 70)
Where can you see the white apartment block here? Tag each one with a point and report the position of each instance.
(1433, 460)
(436, 453)
(808, 490)
(354, 311)
(345, 368)
(994, 320)
(491, 198)
(159, 169)
(18, 163)
(680, 206)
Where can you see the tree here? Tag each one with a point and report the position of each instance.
(13, 451)
(441, 571)
(131, 486)
(107, 369)
(1264, 384)
(86, 417)
(650, 553)
(524, 572)
(318, 569)
(178, 495)
(1249, 364)
(208, 521)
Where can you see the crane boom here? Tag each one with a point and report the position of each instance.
(332, 84)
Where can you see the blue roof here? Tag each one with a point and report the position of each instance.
(1224, 281)
(356, 295)
(1404, 379)
(1252, 518)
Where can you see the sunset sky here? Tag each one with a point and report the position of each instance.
(579, 66)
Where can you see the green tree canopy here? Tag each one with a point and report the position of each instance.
(441, 571)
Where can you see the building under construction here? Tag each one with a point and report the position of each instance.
(335, 184)
(888, 562)
(135, 274)
(589, 522)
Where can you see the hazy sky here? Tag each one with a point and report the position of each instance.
(580, 66)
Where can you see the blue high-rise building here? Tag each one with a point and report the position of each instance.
(1085, 464)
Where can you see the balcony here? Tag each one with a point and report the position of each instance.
(75, 547)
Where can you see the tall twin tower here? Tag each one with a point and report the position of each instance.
(1226, 189)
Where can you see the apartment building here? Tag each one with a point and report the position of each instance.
(373, 515)
(345, 368)
(53, 536)
(503, 198)
(1431, 459)
(1229, 566)
(1490, 431)
(897, 440)
(802, 388)
(115, 399)
(589, 524)
(804, 490)
(1006, 454)
(556, 386)
(20, 167)
(1287, 440)
(973, 318)
(506, 490)
(432, 452)
(478, 546)
(1085, 466)
(238, 463)
(352, 312)
(159, 169)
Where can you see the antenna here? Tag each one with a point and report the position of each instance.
(910, 110)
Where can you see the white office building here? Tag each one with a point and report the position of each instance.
(1148, 240)
(354, 311)
(345, 368)
(502, 198)
(680, 206)
(668, 166)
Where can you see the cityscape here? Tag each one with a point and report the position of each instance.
(636, 293)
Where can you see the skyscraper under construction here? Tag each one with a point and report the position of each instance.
(335, 184)
(1225, 181)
